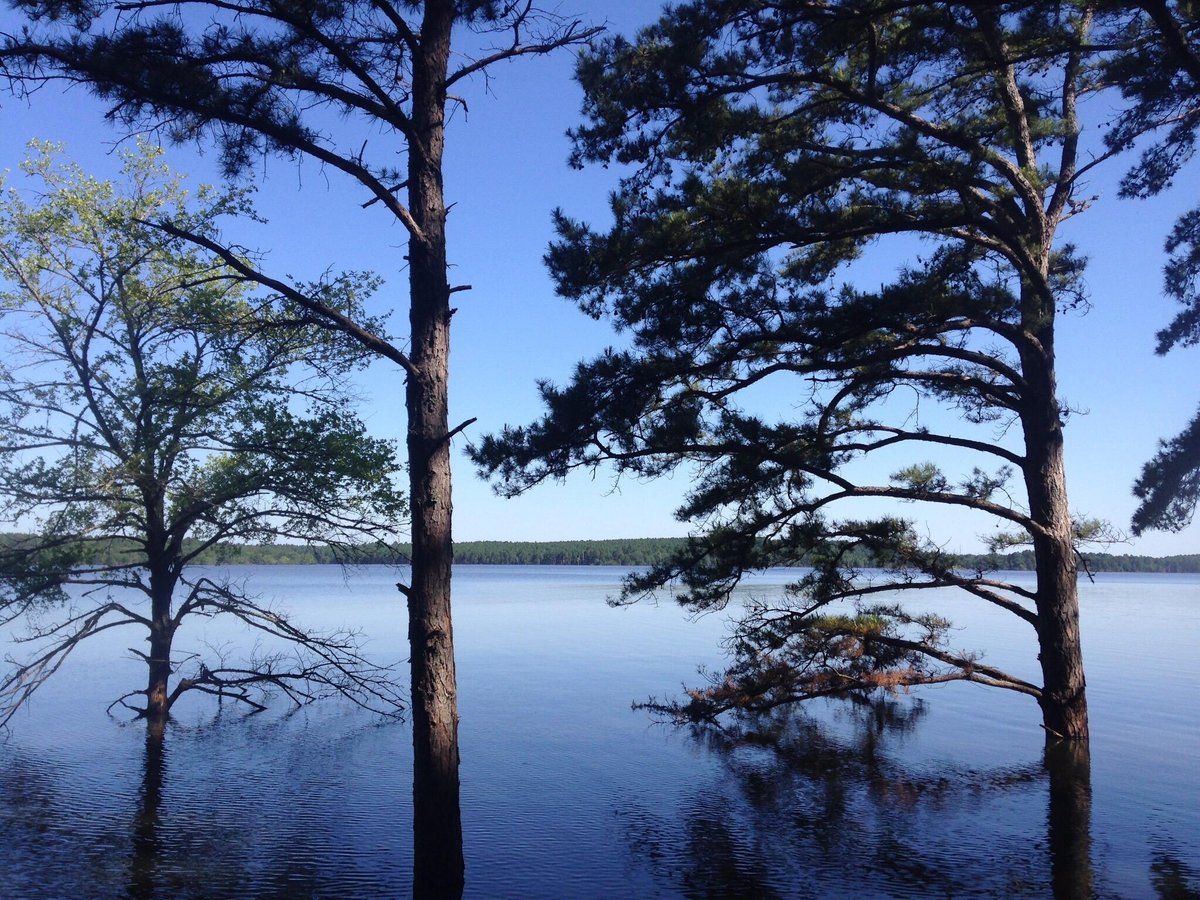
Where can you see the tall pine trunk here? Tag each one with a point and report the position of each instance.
(437, 828)
(1063, 701)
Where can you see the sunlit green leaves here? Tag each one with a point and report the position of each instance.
(150, 394)
(922, 478)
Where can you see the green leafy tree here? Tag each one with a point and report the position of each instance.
(1157, 65)
(766, 147)
(355, 85)
(153, 405)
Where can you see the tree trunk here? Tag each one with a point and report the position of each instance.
(1063, 701)
(437, 828)
(162, 633)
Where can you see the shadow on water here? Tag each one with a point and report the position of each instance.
(183, 849)
(803, 807)
(784, 806)
(147, 839)
(1069, 772)
(1172, 878)
(216, 810)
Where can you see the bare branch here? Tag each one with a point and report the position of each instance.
(343, 323)
(573, 33)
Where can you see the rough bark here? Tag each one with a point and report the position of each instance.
(437, 828)
(162, 633)
(1063, 701)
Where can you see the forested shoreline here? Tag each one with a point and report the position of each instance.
(616, 552)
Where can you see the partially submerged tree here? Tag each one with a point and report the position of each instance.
(1157, 65)
(769, 146)
(151, 406)
(354, 85)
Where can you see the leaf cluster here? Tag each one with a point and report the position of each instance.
(1157, 66)
(261, 77)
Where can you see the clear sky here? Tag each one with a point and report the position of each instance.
(506, 169)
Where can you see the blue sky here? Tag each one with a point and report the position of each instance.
(506, 169)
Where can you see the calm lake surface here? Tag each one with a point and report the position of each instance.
(568, 792)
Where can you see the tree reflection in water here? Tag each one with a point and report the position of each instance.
(1172, 878)
(191, 837)
(804, 807)
(147, 842)
(176, 849)
(1069, 766)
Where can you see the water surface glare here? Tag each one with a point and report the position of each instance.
(568, 792)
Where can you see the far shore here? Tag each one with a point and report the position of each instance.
(612, 552)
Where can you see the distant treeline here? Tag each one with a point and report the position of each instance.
(1096, 562)
(632, 552)
(651, 551)
(624, 552)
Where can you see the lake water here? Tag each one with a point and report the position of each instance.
(568, 792)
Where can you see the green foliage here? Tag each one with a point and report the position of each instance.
(922, 477)
(632, 552)
(781, 657)
(251, 76)
(1158, 69)
(1025, 561)
(155, 406)
(627, 552)
(154, 390)
(1169, 486)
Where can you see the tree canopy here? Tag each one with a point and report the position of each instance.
(766, 150)
(1158, 70)
(151, 398)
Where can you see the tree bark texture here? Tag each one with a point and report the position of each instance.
(162, 633)
(1063, 701)
(437, 828)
